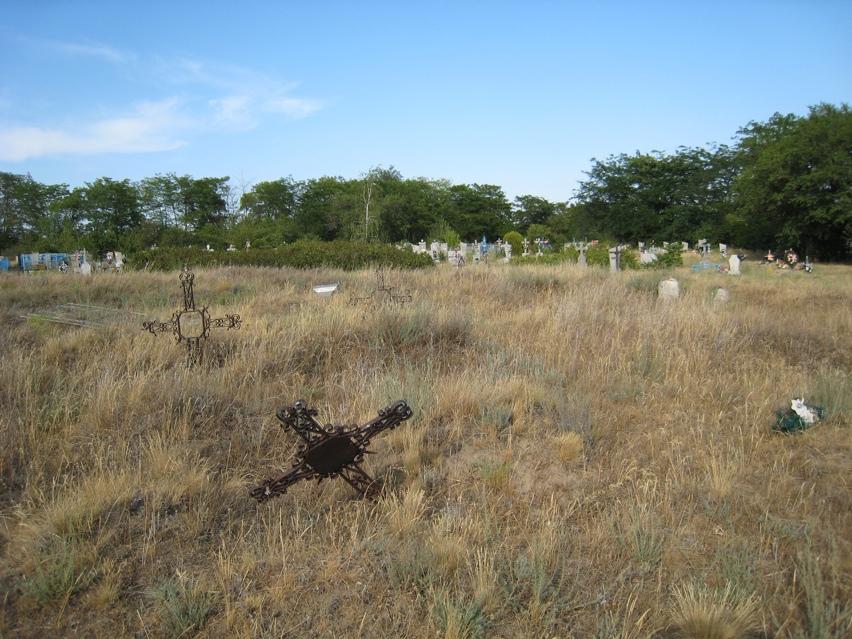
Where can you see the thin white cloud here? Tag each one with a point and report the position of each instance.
(293, 107)
(234, 111)
(215, 98)
(248, 92)
(151, 127)
(87, 49)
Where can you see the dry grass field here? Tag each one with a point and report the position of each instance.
(584, 459)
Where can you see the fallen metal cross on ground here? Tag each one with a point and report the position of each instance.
(330, 451)
(191, 324)
(83, 315)
(382, 293)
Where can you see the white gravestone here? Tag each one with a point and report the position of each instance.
(669, 289)
(722, 296)
(734, 265)
(646, 257)
(614, 260)
(581, 259)
(85, 269)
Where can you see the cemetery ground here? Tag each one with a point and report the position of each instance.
(584, 460)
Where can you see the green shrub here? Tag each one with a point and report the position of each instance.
(598, 255)
(301, 254)
(63, 572)
(458, 616)
(183, 607)
(629, 261)
(669, 259)
(516, 240)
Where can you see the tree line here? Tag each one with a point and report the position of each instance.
(783, 183)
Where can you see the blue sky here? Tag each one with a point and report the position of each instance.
(521, 95)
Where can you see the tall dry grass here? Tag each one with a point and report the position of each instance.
(584, 461)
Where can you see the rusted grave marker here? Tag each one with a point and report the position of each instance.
(190, 324)
(381, 294)
(330, 451)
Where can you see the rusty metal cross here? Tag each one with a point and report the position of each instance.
(330, 451)
(382, 293)
(190, 324)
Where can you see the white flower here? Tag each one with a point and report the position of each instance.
(799, 407)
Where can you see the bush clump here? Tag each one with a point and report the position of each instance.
(304, 254)
(669, 259)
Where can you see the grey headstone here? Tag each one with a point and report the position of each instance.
(614, 260)
(669, 289)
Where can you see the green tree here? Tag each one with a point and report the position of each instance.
(109, 210)
(29, 215)
(410, 209)
(660, 197)
(572, 222)
(795, 189)
(273, 200)
(330, 208)
(478, 209)
(530, 209)
(202, 201)
(160, 199)
(539, 230)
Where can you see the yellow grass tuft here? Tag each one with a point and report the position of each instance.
(702, 613)
(405, 512)
(569, 447)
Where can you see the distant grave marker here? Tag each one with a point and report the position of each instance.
(381, 293)
(615, 258)
(326, 290)
(734, 264)
(668, 289)
(721, 296)
(190, 324)
(330, 451)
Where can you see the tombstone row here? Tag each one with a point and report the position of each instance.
(465, 251)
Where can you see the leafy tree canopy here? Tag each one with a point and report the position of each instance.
(785, 183)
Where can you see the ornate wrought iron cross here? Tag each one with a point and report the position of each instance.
(190, 324)
(330, 451)
(382, 293)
